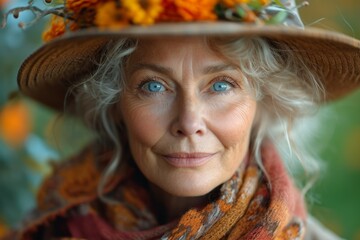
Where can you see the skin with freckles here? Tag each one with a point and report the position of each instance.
(187, 116)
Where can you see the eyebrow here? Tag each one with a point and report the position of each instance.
(153, 67)
(219, 68)
(170, 72)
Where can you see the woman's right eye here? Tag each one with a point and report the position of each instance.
(153, 87)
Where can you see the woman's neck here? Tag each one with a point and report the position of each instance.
(169, 207)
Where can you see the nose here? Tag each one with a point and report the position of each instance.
(189, 118)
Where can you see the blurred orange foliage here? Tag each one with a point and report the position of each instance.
(15, 123)
(2, 3)
(3, 230)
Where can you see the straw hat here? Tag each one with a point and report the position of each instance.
(49, 72)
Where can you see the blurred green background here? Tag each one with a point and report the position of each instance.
(33, 135)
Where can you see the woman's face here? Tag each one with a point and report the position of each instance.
(187, 115)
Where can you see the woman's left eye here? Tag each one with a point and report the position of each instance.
(221, 86)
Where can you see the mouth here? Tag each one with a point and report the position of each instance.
(188, 160)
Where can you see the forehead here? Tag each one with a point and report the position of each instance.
(169, 50)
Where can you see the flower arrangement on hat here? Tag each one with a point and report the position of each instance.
(189, 100)
(114, 13)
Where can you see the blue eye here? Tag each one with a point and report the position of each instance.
(221, 86)
(153, 86)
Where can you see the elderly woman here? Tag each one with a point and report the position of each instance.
(187, 115)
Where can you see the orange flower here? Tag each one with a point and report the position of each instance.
(188, 10)
(83, 11)
(142, 13)
(170, 12)
(78, 5)
(265, 2)
(15, 123)
(57, 28)
(109, 15)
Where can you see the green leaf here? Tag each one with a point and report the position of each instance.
(240, 11)
(278, 18)
(255, 5)
(279, 3)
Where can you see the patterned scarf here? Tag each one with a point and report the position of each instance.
(249, 206)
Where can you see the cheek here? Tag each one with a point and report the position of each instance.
(232, 126)
(232, 122)
(145, 122)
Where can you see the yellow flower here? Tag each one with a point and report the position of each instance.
(15, 123)
(142, 12)
(109, 15)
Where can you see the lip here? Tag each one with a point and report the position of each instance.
(188, 160)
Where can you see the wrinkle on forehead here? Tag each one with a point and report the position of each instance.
(190, 53)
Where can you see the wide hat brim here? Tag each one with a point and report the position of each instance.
(49, 73)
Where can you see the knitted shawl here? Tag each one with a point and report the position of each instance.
(250, 205)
